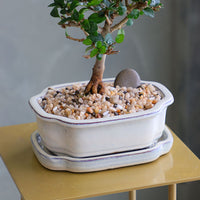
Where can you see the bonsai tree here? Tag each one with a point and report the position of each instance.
(98, 20)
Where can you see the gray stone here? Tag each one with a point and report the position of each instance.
(127, 78)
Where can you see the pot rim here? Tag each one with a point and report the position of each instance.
(166, 100)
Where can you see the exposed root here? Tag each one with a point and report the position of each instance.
(95, 86)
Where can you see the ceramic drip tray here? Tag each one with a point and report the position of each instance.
(96, 163)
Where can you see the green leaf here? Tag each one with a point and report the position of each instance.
(88, 48)
(134, 14)
(54, 12)
(107, 3)
(82, 10)
(149, 12)
(94, 52)
(61, 3)
(102, 50)
(90, 27)
(113, 5)
(63, 11)
(97, 8)
(121, 31)
(94, 2)
(122, 10)
(98, 44)
(73, 5)
(66, 34)
(86, 25)
(52, 5)
(96, 38)
(64, 20)
(154, 3)
(129, 22)
(141, 12)
(95, 17)
(108, 39)
(87, 41)
(81, 16)
(75, 15)
(93, 28)
(120, 36)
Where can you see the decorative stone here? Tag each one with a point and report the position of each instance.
(127, 78)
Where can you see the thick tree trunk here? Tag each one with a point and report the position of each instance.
(95, 84)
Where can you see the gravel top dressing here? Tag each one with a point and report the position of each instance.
(71, 101)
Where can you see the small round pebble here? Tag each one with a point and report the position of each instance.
(127, 78)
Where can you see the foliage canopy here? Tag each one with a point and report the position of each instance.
(96, 18)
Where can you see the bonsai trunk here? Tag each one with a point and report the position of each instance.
(95, 84)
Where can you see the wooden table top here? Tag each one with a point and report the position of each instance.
(38, 183)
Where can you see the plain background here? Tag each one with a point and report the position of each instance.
(35, 54)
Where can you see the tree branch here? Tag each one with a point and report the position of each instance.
(108, 20)
(137, 5)
(75, 39)
(106, 27)
(126, 3)
(157, 8)
(119, 25)
(76, 25)
(71, 24)
(86, 34)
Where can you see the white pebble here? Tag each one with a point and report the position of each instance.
(55, 108)
(119, 107)
(112, 88)
(112, 109)
(114, 99)
(105, 113)
(127, 95)
(80, 100)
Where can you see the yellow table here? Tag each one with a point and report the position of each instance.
(38, 183)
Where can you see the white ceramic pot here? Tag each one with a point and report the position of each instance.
(82, 138)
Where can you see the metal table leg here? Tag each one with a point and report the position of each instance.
(172, 192)
(132, 195)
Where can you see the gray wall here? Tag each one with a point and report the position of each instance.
(35, 54)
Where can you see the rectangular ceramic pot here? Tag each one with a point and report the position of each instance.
(83, 138)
